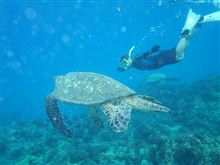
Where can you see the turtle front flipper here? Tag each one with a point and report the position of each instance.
(146, 103)
(118, 114)
(55, 117)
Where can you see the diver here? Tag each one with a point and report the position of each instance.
(156, 58)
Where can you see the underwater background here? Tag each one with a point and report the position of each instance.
(42, 39)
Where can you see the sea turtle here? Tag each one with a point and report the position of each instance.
(97, 91)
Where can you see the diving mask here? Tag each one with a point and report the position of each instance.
(126, 62)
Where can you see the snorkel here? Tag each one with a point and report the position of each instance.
(129, 54)
(126, 61)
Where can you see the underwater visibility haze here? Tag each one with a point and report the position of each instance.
(42, 40)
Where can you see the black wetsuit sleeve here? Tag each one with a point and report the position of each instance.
(146, 54)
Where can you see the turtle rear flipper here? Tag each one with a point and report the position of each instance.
(94, 117)
(118, 114)
(55, 117)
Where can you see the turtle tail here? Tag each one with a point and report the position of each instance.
(55, 117)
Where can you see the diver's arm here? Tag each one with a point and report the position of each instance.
(145, 55)
(154, 49)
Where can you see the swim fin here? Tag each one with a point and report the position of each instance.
(211, 17)
(191, 20)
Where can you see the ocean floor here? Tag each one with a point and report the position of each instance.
(189, 135)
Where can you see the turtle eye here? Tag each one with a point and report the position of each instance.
(58, 80)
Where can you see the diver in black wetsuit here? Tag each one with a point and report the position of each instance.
(156, 58)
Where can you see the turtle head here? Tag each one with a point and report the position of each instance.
(58, 78)
(146, 103)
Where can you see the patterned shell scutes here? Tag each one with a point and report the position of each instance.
(88, 88)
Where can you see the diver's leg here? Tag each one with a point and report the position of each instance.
(191, 25)
(183, 44)
(188, 30)
(180, 48)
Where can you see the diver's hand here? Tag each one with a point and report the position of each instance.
(155, 48)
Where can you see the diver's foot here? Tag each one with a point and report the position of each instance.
(191, 21)
(186, 33)
(200, 19)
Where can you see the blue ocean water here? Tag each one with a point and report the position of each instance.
(40, 40)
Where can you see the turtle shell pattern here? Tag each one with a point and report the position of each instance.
(88, 88)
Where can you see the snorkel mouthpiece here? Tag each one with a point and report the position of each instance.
(126, 62)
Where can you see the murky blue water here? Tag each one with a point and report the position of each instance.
(40, 40)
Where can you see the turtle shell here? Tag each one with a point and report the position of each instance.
(88, 88)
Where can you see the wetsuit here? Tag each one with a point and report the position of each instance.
(150, 61)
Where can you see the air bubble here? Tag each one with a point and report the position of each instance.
(16, 65)
(118, 8)
(65, 38)
(30, 13)
(1, 99)
(10, 53)
(123, 28)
